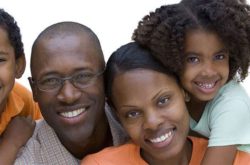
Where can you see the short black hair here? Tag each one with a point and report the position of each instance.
(8, 23)
(163, 31)
(66, 28)
(128, 57)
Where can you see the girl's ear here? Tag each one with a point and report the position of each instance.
(20, 66)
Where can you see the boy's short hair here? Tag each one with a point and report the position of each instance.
(8, 23)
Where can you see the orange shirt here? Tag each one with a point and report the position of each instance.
(20, 103)
(129, 154)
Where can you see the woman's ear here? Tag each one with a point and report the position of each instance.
(20, 66)
(187, 97)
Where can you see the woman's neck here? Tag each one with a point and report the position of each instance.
(181, 158)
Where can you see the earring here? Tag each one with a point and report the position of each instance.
(187, 97)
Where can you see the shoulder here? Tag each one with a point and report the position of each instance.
(199, 146)
(44, 147)
(20, 89)
(21, 92)
(232, 96)
(112, 155)
(233, 90)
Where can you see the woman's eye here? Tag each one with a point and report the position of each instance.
(132, 114)
(163, 101)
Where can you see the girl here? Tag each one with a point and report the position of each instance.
(206, 42)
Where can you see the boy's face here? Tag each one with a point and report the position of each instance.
(152, 110)
(10, 68)
(73, 113)
(206, 67)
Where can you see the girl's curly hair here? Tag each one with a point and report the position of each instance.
(163, 31)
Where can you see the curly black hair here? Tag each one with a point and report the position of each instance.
(8, 23)
(163, 31)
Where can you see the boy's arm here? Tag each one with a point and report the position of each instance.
(17, 133)
(223, 155)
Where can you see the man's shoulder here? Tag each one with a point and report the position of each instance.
(44, 147)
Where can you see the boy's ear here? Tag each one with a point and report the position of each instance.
(20, 66)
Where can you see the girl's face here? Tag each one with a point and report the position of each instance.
(206, 67)
(151, 108)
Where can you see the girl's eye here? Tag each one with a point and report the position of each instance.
(220, 57)
(163, 101)
(132, 114)
(192, 59)
(2, 60)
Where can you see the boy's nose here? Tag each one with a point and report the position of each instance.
(68, 93)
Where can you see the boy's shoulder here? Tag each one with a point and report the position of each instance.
(20, 89)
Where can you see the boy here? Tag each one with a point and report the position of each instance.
(15, 100)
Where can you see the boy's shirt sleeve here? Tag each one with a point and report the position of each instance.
(30, 107)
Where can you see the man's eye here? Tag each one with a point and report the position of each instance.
(50, 81)
(83, 77)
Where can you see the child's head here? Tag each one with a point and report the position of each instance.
(167, 33)
(148, 101)
(12, 60)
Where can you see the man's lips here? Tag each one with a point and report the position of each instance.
(73, 113)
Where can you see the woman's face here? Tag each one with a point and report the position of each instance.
(151, 107)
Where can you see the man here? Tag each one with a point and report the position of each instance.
(67, 67)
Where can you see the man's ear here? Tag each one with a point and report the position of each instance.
(20, 66)
(33, 88)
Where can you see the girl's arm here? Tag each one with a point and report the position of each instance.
(222, 155)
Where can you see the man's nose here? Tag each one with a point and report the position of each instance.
(68, 93)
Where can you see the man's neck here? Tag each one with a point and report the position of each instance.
(100, 139)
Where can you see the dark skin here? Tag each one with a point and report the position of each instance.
(18, 131)
(63, 55)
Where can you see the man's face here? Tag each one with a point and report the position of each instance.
(73, 113)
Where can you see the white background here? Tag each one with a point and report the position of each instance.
(112, 20)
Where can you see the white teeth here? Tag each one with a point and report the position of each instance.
(72, 113)
(161, 138)
(206, 85)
